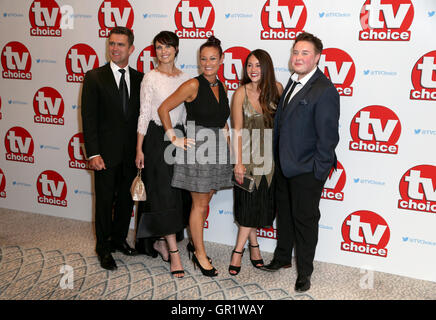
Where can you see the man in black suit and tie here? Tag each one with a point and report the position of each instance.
(110, 110)
(305, 137)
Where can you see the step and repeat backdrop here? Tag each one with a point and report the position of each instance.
(378, 210)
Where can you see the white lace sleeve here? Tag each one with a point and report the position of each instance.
(145, 111)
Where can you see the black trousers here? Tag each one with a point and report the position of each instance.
(113, 205)
(298, 215)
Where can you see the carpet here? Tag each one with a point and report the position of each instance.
(50, 258)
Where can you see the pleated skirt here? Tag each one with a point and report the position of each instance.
(166, 210)
(255, 209)
(205, 166)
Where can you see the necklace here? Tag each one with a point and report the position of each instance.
(214, 84)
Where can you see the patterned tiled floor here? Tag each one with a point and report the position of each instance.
(52, 275)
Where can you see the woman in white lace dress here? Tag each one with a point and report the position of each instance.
(162, 215)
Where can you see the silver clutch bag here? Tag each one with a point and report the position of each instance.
(247, 184)
(138, 189)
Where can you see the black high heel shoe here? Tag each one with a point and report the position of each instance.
(235, 268)
(176, 271)
(168, 260)
(191, 249)
(208, 273)
(256, 263)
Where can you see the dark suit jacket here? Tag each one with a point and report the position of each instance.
(306, 130)
(107, 131)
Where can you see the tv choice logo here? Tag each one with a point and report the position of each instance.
(268, 233)
(282, 19)
(113, 13)
(418, 189)
(145, 62)
(52, 189)
(16, 61)
(365, 232)
(375, 129)
(19, 145)
(80, 59)
(76, 152)
(45, 18)
(2, 184)
(335, 184)
(194, 19)
(424, 78)
(339, 67)
(230, 72)
(386, 20)
(49, 106)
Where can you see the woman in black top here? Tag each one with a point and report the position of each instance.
(204, 167)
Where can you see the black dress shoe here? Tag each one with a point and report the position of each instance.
(107, 262)
(275, 265)
(124, 248)
(302, 284)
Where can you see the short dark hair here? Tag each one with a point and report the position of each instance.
(306, 36)
(125, 31)
(168, 38)
(213, 42)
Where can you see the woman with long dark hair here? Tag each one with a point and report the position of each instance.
(253, 108)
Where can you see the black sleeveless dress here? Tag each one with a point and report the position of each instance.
(205, 166)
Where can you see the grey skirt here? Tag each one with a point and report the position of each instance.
(205, 166)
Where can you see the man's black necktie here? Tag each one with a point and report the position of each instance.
(288, 96)
(124, 94)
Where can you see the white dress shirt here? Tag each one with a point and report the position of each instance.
(302, 82)
(117, 75)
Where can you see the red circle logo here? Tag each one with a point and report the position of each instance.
(230, 72)
(52, 189)
(2, 184)
(45, 18)
(282, 19)
(80, 59)
(146, 58)
(424, 78)
(418, 189)
(375, 129)
(335, 184)
(113, 13)
(386, 20)
(19, 145)
(365, 232)
(16, 61)
(76, 152)
(339, 67)
(194, 19)
(48, 106)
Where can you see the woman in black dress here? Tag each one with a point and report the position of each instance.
(161, 217)
(203, 174)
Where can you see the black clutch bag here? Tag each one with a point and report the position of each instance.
(247, 184)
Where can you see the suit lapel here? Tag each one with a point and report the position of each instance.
(111, 87)
(134, 90)
(302, 93)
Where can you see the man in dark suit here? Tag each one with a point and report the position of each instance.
(305, 138)
(110, 110)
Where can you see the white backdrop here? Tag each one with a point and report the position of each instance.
(379, 208)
